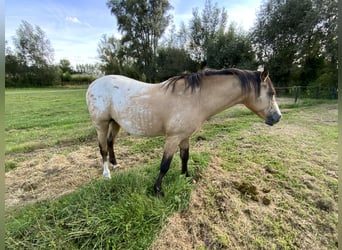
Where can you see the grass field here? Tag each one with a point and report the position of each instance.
(39, 119)
(252, 186)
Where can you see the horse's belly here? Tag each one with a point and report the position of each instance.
(140, 121)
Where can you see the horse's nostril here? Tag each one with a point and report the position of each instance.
(278, 118)
(273, 119)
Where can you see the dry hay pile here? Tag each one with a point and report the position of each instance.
(51, 172)
(48, 175)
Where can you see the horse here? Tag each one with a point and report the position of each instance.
(175, 108)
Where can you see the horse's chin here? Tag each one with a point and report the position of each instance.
(269, 123)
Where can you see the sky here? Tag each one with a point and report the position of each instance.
(75, 28)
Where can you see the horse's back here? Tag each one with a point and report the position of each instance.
(108, 84)
(126, 101)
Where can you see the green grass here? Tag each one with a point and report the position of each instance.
(301, 163)
(123, 212)
(40, 118)
(120, 213)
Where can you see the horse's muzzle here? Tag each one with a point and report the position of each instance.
(273, 119)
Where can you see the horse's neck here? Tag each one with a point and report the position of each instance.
(219, 95)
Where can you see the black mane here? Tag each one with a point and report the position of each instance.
(249, 79)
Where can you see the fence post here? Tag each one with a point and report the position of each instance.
(318, 91)
(297, 93)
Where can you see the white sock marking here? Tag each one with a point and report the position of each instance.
(106, 172)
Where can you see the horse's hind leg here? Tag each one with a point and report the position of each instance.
(102, 131)
(113, 131)
(184, 155)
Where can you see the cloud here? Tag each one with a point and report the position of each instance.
(72, 19)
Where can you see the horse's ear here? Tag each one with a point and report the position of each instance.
(264, 74)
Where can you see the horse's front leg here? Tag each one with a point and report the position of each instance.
(164, 167)
(170, 148)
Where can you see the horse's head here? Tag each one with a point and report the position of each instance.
(265, 105)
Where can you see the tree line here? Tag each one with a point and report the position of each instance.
(296, 40)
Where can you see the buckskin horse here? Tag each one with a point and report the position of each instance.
(175, 108)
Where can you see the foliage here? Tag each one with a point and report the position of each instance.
(12, 70)
(32, 45)
(82, 78)
(114, 58)
(172, 61)
(204, 28)
(176, 38)
(109, 50)
(142, 24)
(298, 40)
(31, 62)
(65, 66)
(231, 48)
(205, 41)
(90, 69)
(65, 70)
(210, 43)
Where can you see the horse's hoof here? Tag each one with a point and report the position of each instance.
(106, 176)
(116, 166)
(158, 192)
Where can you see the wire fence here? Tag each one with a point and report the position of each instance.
(313, 91)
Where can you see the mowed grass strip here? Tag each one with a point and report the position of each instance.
(41, 118)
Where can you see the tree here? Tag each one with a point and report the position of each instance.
(110, 53)
(297, 39)
(176, 38)
(231, 48)
(32, 45)
(11, 67)
(204, 28)
(31, 61)
(142, 23)
(65, 70)
(65, 66)
(114, 58)
(172, 61)
(88, 69)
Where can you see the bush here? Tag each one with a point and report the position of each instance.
(33, 76)
(81, 79)
(66, 77)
